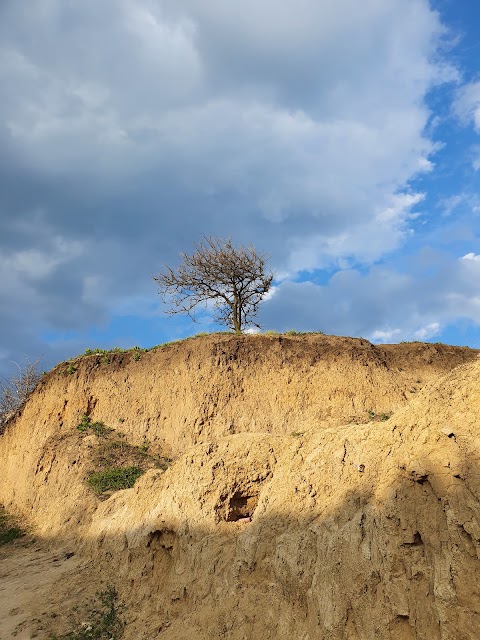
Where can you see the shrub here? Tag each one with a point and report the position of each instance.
(98, 428)
(114, 478)
(105, 620)
(15, 391)
(8, 529)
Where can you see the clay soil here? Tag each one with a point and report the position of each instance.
(305, 486)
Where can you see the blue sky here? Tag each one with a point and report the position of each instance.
(341, 137)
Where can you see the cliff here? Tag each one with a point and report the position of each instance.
(319, 487)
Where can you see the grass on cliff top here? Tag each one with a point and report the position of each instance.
(9, 529)
(106, 356)
(137, 351)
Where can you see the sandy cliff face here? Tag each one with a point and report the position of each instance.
(284, 514)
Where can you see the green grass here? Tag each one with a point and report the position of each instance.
(115, 463)
(383, 417)
(98, 428)
(138, 350)
(9, 531)
(114, 478)
(105, 621)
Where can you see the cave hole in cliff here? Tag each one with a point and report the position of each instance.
(241, 507)
(416, 541)
(161, 539)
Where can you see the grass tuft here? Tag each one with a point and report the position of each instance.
(98, 428)
(105, 621)
(114, 479)
(9, 530)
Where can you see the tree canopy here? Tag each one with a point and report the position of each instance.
(231, 280)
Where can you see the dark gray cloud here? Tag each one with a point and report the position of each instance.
(129, 129)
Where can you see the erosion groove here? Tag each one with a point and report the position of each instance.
(310, 487)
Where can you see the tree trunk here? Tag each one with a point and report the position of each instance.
(237, 318)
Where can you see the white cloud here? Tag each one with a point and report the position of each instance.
(450, 204)
(382, 304)
(386, 335)
(467, 109)
(467, 104)
(428, 331)
(471, 256)
(32, 265)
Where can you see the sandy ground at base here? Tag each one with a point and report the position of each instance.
(29, 570)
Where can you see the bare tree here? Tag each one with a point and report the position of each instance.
(231, 280)
(14, 391)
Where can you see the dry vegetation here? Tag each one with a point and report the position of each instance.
(15, 390)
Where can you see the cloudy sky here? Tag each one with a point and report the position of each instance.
(341, 137)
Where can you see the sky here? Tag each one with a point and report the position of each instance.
(340, 137)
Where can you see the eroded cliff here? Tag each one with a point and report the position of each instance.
(320, 487)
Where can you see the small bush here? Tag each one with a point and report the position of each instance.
(15, 391)
(98, 428)
(10, 534)
(114, 479)
(105, 620)
(9, 531)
